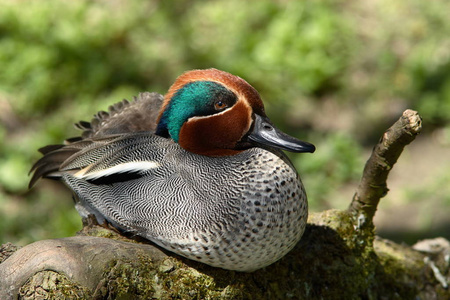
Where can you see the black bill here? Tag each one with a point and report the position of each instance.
(267, 134)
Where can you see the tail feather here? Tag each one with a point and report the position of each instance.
(49, 148)
(48, 166)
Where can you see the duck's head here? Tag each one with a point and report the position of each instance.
(211, 112)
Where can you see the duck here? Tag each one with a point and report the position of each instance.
(199, 172)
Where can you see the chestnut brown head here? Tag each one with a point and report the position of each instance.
(211, 112)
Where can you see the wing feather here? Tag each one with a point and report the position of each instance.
(106, 160)
(122, 119)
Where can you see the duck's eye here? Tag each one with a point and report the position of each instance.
(220, 105)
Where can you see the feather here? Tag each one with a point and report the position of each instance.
(124, 117)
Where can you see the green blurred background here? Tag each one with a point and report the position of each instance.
(334, 73)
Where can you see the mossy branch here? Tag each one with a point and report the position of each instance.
(81, 258)
(372, 186)
(326, 264)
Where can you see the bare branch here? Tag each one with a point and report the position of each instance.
(372, 186)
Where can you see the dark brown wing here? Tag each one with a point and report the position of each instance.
(125, 117)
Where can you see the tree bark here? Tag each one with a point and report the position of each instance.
(337, 258)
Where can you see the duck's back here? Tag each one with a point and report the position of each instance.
(125, 117)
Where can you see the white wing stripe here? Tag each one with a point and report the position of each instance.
(136, 166)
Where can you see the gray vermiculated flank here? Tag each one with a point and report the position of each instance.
(242, 212)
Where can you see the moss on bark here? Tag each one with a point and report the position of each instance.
(334, 260)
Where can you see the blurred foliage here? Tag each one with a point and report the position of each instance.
(335, 73)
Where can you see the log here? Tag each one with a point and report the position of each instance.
(328, 263)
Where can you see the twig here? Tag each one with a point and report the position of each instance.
(373, 185)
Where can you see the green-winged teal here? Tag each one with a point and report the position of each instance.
(197, 172)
